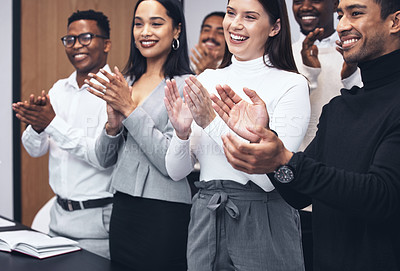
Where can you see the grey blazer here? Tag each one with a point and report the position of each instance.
(139, 151)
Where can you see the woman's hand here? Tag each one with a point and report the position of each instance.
(114, 122)
(178, 112)
(117, 93)
(240, 115)
(198, 101)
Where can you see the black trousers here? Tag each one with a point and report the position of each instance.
(149, 234)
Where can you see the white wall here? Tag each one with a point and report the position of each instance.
(196, 10)
(6, 157)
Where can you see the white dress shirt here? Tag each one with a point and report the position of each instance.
(286, 96)
(74, 172)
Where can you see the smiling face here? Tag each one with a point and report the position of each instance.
(88, 58)
(153, 30)
(311, 14)
(212, 35)
(247, 27)
(363, 33)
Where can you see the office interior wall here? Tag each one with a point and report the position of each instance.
(43, 62)
(6, 161)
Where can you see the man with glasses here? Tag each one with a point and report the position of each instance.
(66, 123)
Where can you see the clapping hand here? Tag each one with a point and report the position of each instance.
(118, 95)
(204, 59)
(238, 114)
(199, 102)
(348, 68)
(178, 112)
(116, 92)
(256, 158)
(309, 51)
(37, 112)
(265, 152)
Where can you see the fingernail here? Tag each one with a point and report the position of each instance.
(90, 74)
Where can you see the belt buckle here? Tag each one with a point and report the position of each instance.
(69, 203)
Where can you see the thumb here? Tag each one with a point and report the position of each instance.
(314, 50)
(262, 132)
(253, 96)
(120, 76)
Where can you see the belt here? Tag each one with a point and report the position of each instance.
(222, 191)
(72, 205)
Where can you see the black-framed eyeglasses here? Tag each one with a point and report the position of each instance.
(84, 39)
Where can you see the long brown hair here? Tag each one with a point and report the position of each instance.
(279, 47)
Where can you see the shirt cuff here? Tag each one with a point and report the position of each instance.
(353, 80)
(312, 75)
(57, 126)
(112, 136)
(33, 134)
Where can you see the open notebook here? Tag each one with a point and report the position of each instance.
(36, 244)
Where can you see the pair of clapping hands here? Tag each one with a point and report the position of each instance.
(203, 59)
(37, 112)
(118, 95)
(263, 154)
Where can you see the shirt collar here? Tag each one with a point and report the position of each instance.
(72, 79)
(380, 71)
(325, 43)
(250, 66)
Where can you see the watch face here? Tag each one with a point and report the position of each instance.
(284, 174)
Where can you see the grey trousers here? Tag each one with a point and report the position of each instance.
(89, 227)
(241, 227)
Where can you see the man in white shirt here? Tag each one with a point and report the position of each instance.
(66, 123)
(210, 49)
(317, 58)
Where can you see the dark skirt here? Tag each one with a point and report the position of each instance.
(148, 234)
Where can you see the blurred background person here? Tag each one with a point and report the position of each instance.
(317, 58)
(210, 49)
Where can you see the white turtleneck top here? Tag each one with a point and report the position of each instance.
(286, 97)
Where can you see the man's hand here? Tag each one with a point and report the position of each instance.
(38, 113)
(204, 59)
(309, 52)
(348, 68)
(239, 114)
(256, 158)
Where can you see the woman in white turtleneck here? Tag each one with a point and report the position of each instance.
(238, 220)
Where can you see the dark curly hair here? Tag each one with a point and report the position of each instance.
(102, 21)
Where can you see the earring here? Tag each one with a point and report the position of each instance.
(175, 44)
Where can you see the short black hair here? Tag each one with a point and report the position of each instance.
(102, 21)
(215, 13)
(388, 7)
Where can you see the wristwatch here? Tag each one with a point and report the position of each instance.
(286, 173)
